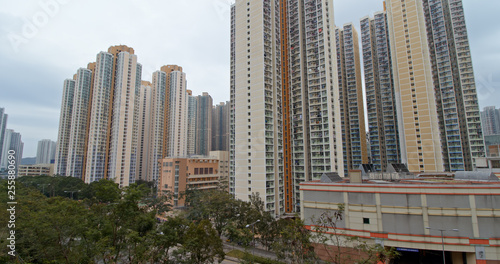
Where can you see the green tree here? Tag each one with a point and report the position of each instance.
(201, 244)
(292, 242)
(346, 249)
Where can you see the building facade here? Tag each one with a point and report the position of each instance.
(438, 113)
(78, 135)
(144, 131)
(287, 61)
(490, 120)
(256, 102)
(408, 215)
(46, 151)
(3, 127)
(351, 97)
(179, 174)
(204, 124)
(220, 127)
(383, 132)
(63, 135)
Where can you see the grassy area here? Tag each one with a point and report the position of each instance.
(235, 253)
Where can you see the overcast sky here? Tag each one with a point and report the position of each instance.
(43, 42)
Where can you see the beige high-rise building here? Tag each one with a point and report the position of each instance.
(82, 103)
(64, 127)
(351, 97)
(437, 104)
(256, 104)
(112, 144)
(123, 138)
(144, 131)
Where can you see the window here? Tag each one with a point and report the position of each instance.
(366, 220)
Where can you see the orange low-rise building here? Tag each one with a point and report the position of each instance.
(179, 174)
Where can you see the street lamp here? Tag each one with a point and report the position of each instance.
(442, 238)
(253, 231)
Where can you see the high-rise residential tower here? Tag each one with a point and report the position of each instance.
(178, 104)
(63, 136)
(123, 135)
(380, 96)
(490, 120)
(438, 113)
(3, 127)
(204, 124)
(283, 55)
(191, 127)
(168, 69)
(46, 151)
(351, 97)
(13, 145)
(220, 127)
(157, 123)
(144, 131)
(77, 149)
(257, 149)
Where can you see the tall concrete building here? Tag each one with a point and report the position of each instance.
(62, 145)
(490, 120)
(96, 165)
(204, 124)
(158, 119)
(144, 131)
(178, 104)
(123, 130)
(438, 113)
(191, 127)
(383, 132)
(285, 115)
(3, 127)
(256, 103)
(12, 144)
(46, 151)
(351, 97)
(78, 135)
(220, 127)
(168, 69)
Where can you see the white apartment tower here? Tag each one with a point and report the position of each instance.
(284, 114)
(177, 144)
(77, 148)
(64, 127)
(158, 118)
(45, 151)
(123, 147)
(97, 147)
(256, 106)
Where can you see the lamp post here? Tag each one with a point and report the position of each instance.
(253, 237)
(442, 238)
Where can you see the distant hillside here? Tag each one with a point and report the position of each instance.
(28, 161)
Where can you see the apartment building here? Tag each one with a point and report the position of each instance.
(80, 119)
(438, 113)
(383, 132)
(351, 97)
(63, 135)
